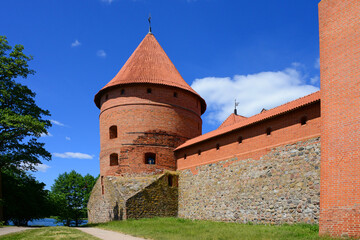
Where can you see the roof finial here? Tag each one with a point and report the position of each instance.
(149, 19)
(235, 110)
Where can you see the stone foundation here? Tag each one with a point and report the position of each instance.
(282, 186)
(134, 197)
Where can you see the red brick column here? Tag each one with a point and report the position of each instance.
(340, 110)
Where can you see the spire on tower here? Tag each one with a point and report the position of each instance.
(149, 19)
(235, 110)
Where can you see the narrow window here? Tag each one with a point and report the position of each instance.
(114, 159)
(240, 139)
(199, 152)
(217, 146)
(149, 90)
(268, 131)
(170, 181)
(102, 180)
(175, 94)
(113, 132)
(185, 156)
(303, 120)
(102, 190)
(150, 158)
(122, 91)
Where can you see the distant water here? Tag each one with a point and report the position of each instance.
(48, 222)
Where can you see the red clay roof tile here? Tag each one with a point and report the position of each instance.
(149, 64)
(256, 118)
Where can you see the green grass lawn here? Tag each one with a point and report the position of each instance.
(46, 233)
(180, 229)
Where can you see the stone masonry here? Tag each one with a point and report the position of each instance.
(282, 186)
(122, 195)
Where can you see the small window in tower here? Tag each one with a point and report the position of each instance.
(175, 94)
(149, 90)
(102, 190)
(217, 146)
(114, 159)
(170, 181)
(185, 156)
(268, 131)
(150, 158)
(199, 152)
(240, 139)
(303, 120)
(102, 180)
(113, 132)
(122, 92)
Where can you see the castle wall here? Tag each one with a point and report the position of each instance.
(133, 197)
(282, 186)
(339, 26)
(155, 122)
(160, 199)
(264, 179)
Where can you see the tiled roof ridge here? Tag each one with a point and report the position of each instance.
(299, 102)
(232, 119)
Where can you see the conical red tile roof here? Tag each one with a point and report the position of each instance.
(149, 64)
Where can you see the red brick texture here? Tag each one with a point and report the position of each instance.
(155, 122)
(340, 110)
(285, 129)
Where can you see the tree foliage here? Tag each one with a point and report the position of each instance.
(21, 120)
(24, 198)
(71, 192)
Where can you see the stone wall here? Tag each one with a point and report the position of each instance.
(160, 199)
(116, 202)
(282, 186)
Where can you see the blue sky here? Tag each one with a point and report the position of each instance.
(263, 53)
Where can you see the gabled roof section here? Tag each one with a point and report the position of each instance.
(300, 102)
(231, 120)
(149, 64)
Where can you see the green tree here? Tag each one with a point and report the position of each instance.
(21, 120)
(24, 198)
(71, 192)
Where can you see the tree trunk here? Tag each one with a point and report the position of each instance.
(1, 204)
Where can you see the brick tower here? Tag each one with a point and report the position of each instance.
(340, 111)
(147, 110)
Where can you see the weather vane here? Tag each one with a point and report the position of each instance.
(236, 104)
(149, 19)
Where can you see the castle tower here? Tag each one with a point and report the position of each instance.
(146, 111)
(340, 111)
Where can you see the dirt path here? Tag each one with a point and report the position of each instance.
(7, 230)
(108, 235)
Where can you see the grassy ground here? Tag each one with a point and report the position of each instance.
(46, 233)
(180, 229)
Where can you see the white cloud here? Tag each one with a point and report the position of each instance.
(57, 123)
(101, 53)
(68, 138)
(107, 1)
(73, 155)
(42, 167)
(315, 80)
(254, 92)
(317, 63)
(76, 43)
(46, 135)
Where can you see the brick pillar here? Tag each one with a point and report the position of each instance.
(340, 111)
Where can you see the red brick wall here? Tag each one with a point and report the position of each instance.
(286, 129)
(155, 122)
(340, 109)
